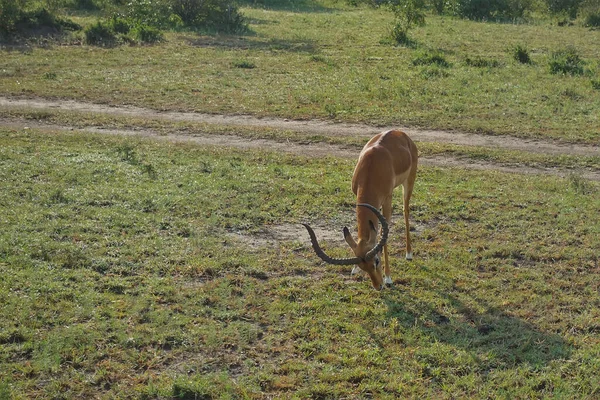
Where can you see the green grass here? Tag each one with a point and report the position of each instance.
(118, 279)
(331, 63)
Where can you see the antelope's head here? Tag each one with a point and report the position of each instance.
(367, 254)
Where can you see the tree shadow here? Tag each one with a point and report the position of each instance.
(500, 339)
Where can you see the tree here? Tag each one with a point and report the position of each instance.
(408, 13)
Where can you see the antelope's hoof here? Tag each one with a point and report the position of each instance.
(409, 256)
(355, 270)
(388, 281)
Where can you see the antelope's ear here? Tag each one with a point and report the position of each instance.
(349, 238)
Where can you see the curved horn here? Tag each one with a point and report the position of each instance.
(384, 236)
(325, 257)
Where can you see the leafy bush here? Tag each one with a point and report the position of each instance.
(100, 34)
(408, 13)
(119, 25)
(521, 54)
(431, 58)
(147, 34)
(593, 20)
(11, 12)
(244, 64)
(148, 12)
(85, 5)
(492, 9)
(569, 7)
(15, 19)
(566, 61)
(220, 15)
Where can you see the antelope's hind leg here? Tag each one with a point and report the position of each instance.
(407, 188)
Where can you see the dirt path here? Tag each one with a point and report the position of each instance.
(312, 127)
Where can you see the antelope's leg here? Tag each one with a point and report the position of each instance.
(407, 188)
(387, 213)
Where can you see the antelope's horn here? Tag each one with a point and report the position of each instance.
(384, 236)
(325, 257)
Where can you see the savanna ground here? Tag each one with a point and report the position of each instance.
(149, 254)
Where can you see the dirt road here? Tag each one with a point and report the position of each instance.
(311, 127)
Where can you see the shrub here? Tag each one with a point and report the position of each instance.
(15, 19)
(100, 34)
(431, 58)
(119, 25)
(521, 54)
(244, 64)
(11, 12)
(566, 61)
(147, 34)
(84, 5)
(148, 12)
(570, 7)
(592, 20)
(409, 13)
(220, 15)
(492, 9)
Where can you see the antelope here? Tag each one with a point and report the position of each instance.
(388, 160)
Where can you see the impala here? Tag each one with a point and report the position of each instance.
(388, 160)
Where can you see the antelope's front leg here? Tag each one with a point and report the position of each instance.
(387, 213)
(387, 279)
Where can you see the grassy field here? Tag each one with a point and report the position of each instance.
(123, 274)
(334, 63)
(141, 268)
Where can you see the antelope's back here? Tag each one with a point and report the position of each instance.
(387, 158)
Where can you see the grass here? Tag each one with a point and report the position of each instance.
(118, 279)
(295, 65)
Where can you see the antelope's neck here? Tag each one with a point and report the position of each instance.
(364, 215)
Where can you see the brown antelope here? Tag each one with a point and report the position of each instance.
(388, 160)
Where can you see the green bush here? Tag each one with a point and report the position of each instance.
(148, 12)
(15, 19)
(408, 13)
(119, 25)
(219, 15)
(492, 9)
(85, 5)
(431, 58)
(521, 54)
(570, 7)
(593, 20)
(11, 12)
(100, 34)
(147, 34)
(566, 61)
(244, 64)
